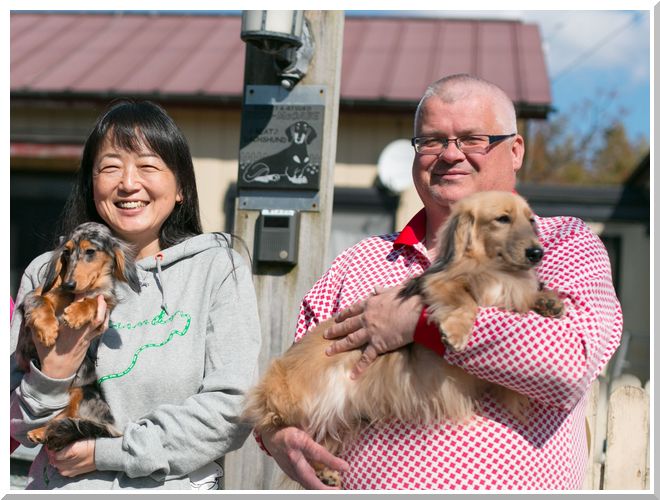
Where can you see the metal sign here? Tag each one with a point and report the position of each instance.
(281, 138)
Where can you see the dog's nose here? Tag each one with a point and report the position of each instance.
(69, 285)
(534, 254)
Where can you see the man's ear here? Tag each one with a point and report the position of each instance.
(517, 152)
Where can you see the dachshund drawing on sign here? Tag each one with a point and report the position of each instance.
(292, 162)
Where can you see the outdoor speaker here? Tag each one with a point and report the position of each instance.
(276, 238)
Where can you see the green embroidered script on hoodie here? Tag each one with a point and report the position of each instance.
(159, 319)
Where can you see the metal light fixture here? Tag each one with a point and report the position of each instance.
(272, 30)
(283, 34)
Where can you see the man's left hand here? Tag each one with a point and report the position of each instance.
(381, 323)
(75, 459)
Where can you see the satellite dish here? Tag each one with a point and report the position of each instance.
(395, 165)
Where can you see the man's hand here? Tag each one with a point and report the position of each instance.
(75, 459)
(381, 323)
(293, 450)
(63, 359)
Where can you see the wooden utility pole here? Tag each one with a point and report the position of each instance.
(280, 289)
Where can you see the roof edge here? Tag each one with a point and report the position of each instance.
(230, 99)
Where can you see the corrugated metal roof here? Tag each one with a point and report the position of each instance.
(385, 60)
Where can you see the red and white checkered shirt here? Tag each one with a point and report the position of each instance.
(552, 361)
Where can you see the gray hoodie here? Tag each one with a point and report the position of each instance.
(173, 366)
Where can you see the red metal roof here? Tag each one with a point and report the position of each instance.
(385, 60)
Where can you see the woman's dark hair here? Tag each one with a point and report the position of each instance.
(129, 124)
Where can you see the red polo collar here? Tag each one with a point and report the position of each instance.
(414, 232)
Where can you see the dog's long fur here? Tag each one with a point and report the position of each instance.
(85, 265)
(488, 249)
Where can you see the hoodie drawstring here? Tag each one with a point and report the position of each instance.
(163, 305)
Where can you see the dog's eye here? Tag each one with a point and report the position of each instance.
(504, 219)
(90, 251)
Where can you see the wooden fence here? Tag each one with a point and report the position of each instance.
(618, 435)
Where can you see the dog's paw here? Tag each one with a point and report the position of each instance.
(549, 304)
(455, 335)
(44, 327)
(328, 477)
(47, 334)
(72, 320)
(78, 314)
(455, 342)
(37, 436)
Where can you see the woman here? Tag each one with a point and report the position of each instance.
(176, 358)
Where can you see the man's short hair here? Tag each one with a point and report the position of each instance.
(453, 88)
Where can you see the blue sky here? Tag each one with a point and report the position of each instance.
(600, 55)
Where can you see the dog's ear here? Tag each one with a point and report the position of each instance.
(289, 132)
(54, 270)
(412, 287)
(311, 134)
(446, 245)
(125, 269)
(457, 236)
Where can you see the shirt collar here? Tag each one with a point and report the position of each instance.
(414, 232)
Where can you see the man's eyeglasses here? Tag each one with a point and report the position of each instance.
(468, 144)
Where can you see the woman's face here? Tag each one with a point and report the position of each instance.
(134, 193)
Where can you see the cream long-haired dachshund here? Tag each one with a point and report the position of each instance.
(488, 249)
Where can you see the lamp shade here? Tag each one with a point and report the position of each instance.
(272, 30)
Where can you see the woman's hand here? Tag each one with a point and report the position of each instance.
(75, 459)
(383, 322)
(294, 450)
(63, 359)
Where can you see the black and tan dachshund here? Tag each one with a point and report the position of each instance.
(86, 264)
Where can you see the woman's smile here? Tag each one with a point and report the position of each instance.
(131, 205)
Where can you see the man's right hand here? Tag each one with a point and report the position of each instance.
(294, 451)
(378, 324)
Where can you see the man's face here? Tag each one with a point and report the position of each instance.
(440, 181)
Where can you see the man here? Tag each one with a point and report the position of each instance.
(466, 141)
